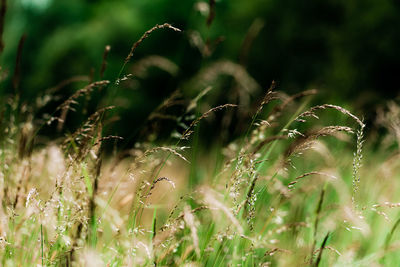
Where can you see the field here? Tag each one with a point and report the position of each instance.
(281, 180)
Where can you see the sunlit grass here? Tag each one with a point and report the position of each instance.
(295, 188)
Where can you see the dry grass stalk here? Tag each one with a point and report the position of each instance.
(86, 135)
(296, 96)
(357, 161)
(380, 213)
(70, 196)
(166, 149)
(292, 184)
(174, 209)
(311, 113)
(154, 183)
(207, 113)
(84, 91)
(304, 141)
(277, 111)
(188, 131)
(88, 126)
(268, 97)
(66, 105)
(168, 230)
(273, 251)
(250, 203)
(258, 133)
(387, 204)
(48, 96)
(170, 224)
(145, 35)
(195, 210)
(328, 248)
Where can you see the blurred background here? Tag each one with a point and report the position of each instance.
(348, 50)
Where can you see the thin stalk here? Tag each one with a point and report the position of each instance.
(42, 243)
(321, 250)
(316, 222)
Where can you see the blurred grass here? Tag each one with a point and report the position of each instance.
(193, 181)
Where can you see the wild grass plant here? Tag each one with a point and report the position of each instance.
(295, 188)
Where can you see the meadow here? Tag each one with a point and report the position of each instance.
(281, 180)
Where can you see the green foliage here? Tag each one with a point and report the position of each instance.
(282, 181)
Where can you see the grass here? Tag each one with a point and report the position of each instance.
(294, 189)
